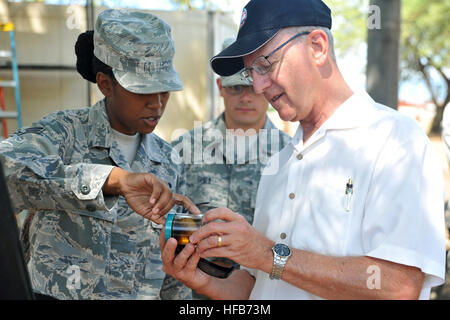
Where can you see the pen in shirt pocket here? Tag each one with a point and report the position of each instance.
(348, 194)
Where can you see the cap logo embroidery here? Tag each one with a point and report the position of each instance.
(243, 18)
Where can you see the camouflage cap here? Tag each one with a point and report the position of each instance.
(139, 48)
(235, 79)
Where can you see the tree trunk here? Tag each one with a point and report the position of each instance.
(383, 44)
(436, 128)
(436, 125)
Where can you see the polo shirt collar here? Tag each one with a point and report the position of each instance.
(350, 114)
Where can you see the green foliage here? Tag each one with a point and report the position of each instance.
(425, 33)
(349, 24)
(425, 45)
(426, 49)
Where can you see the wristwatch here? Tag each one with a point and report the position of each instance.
(281, 254)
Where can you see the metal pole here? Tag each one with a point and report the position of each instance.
(15, 69)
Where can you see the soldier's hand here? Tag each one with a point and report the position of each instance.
(186, 203)
(145, 193)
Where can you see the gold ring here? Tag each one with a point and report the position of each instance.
(219, 241)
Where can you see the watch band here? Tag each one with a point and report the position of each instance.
(278, 267)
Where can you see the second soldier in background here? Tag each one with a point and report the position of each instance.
(232, 179)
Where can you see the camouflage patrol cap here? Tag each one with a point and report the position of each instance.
(235, 79)
(139, 48)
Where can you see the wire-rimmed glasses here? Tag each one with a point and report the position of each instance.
(262, 65)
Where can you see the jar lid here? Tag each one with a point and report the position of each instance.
(168, 228)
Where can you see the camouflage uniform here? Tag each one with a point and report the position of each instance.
(232, 183)
(57, 167)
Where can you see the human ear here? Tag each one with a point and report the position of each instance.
(219, 86)
(219, 83)
(104, 83)
(319, 43)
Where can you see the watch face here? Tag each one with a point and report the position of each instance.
(282, 249)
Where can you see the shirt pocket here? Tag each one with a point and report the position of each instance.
(324, 224)
(332, 200)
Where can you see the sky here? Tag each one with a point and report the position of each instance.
(352, 66)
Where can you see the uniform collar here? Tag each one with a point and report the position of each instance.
(219, 124)
(99, 126)
(152, 146)
(100, 136)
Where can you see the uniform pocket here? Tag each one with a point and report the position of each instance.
(153, 263)
(207, 183)
(153, 267)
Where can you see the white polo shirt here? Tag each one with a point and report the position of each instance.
(396, 211)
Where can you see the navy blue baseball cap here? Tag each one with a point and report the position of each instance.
(261, 20)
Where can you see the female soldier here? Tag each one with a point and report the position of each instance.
(95, 176)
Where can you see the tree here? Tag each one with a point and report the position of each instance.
(349, 23)
(426, 49)
(424, 44)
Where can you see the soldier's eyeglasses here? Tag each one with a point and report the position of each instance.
(238, 89)
(262, 65)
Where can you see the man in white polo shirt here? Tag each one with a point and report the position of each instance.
(356, 209)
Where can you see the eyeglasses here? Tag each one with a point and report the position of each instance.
(238, 89)
(262, 65)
